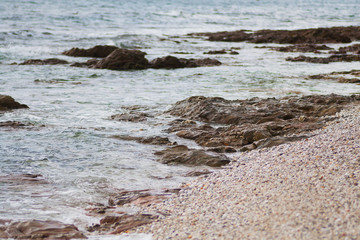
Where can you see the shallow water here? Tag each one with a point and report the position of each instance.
(70, 143)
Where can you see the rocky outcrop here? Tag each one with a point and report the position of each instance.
(49, 61)
(302, 48)
(313, 36)
(146, 140)
(8, 103)
(255, 122)
(124, 59)
(132, 116)
(223, 51)
(36, 229)
(352, 76)
(332, 58)
(99, 51)
(171, 62)
(119, 223)
(183, 155)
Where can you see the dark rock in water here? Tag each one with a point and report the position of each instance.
(132, 116)
(89, 63)
(12, 124)
(118, 224)
(255, 120)
(49, 61)
(335, 76)
(147, 140)
(8, 103)
(36, 229)
(124, 59)
(170, 62)
(222, 149)
(332, 58)
(23, 179)
(313, 36)
(302, 48)
(183, 155)
(223, 51)
(355, 48)
(98, 51)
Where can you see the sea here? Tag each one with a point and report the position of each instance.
(70, 142)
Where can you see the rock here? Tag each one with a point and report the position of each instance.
(183, 155)
(355, 48)
(171, 62)
(23, 179)
(49, 61)
(332, 58)
(36, 229)
(12, 124)
(124, 59)
(251, 122)
(302, 48)
(119, 224)
(223, 51)
(197, 173)
(312, 36)
(146, 140)
(132, 116)
(8, 103)
(99, 51)
(89, 63)
(222, 149)
(333, 76)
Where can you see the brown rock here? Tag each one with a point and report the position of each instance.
(36, 229)
(332, 58)
(89, 63)
(146, 140)
(183, 155)
(170, 62)
(8, 103)
(302, 48)
(49, 61)
(95, 52)
(313, 36)
(132, 116)
(124, 59)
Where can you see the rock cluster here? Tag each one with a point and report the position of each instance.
(332, 58)
(313, 36)
(253, 123)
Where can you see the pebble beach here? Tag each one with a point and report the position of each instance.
(307, 189)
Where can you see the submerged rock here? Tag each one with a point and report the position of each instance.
(342, 77)
(8, 103)
(124, 59)
(170, 62)
(146, 140)
(302, 48)
(49, 61)
(332, 58)
(132, 116)
(183, 155)
(37, 229)
(313, 36)
(99, 51)
(119, 223)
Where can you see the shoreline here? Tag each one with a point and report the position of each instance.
(307, 189)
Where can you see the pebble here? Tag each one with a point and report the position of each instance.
(307, 189)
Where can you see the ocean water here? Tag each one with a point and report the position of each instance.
(70, 142)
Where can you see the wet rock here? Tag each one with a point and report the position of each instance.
(302, 48)
(8, 103)
(332, 58)
(88, 64)
(23, 179)
(183, 155)
(132, 116)
(119, 224)
(180, 124)
(197, 173)
(124, 59)
(355, 48)
(99, 51)
(254, 120)
(171, 62)
(49, 61)
(223, 51)
(271, 142)
(146, 140)
(313, 36)
(334, 77)
(36, 229)
(222, 149)
(11, 124)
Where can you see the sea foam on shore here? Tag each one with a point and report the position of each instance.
(302, 190)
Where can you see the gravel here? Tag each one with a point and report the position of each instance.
(302, 190)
